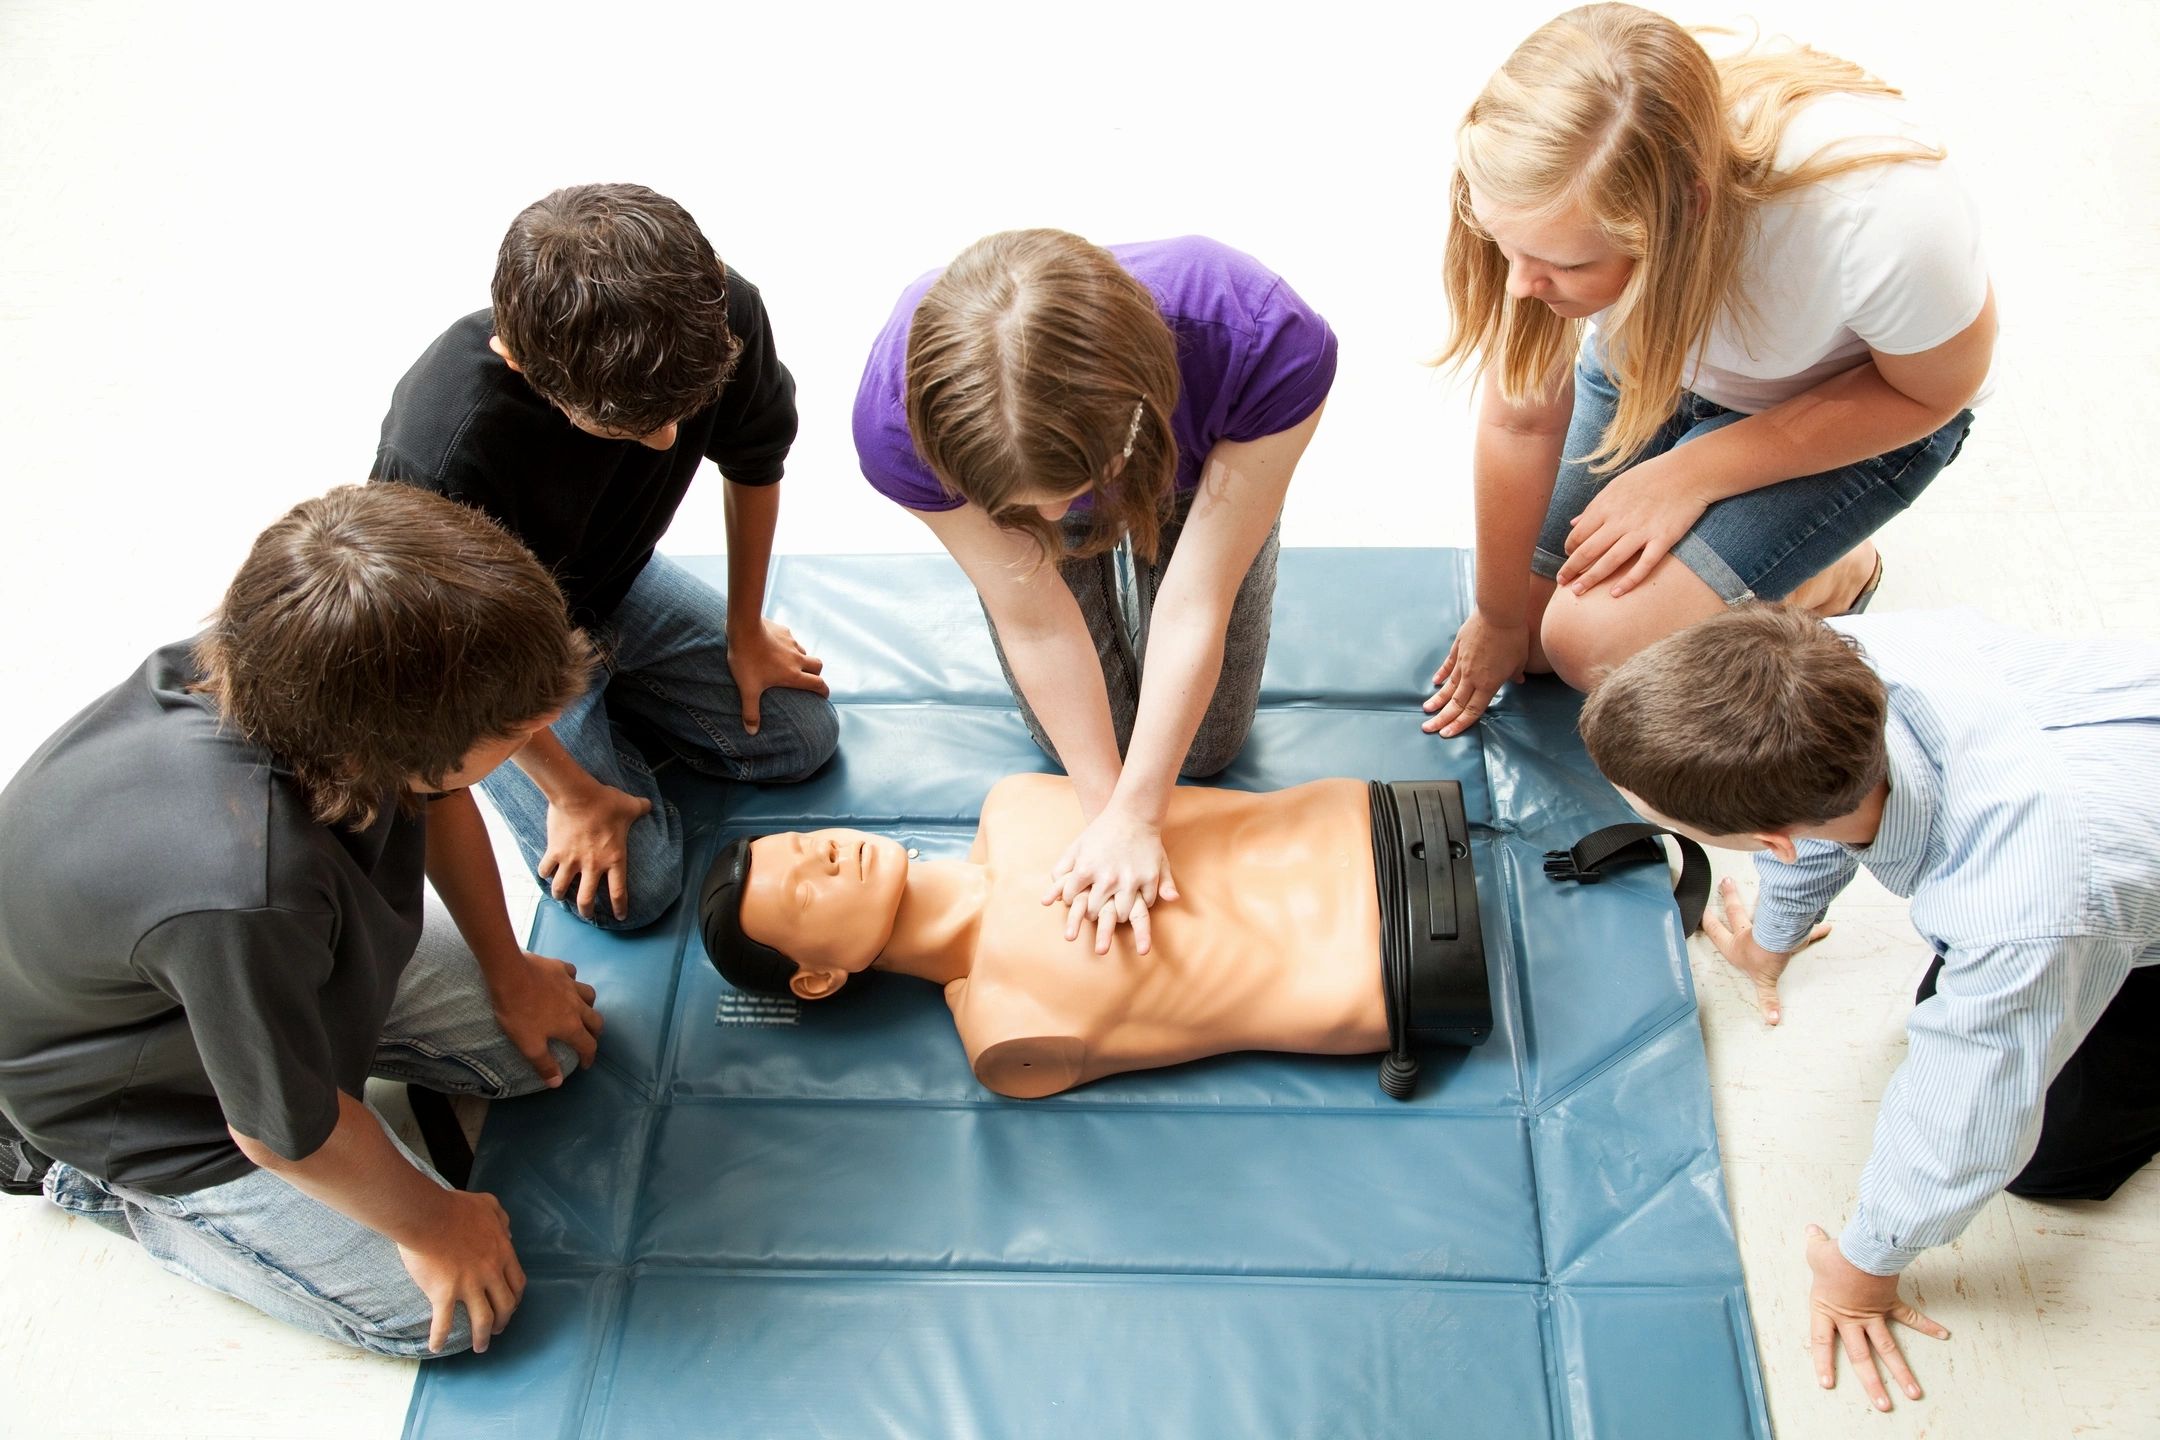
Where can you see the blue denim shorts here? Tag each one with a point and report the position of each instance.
(1768, 542)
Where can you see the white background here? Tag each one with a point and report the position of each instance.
(225, 231)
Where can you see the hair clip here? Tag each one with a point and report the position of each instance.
(1132, 431)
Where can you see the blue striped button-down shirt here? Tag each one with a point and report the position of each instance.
(2023, 823)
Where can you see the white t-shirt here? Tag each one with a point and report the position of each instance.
(1884, 258)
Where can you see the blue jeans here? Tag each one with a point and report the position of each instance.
(1763, 544)
(263, 1242)
(664, 668)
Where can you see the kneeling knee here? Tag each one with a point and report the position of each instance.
(2051, 1188)
(1578, 651)
(650, 898)
(408, 1339)
(1209, 758)
(807, 729)
(655, 878)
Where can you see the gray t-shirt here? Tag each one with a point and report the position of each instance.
(183, 946)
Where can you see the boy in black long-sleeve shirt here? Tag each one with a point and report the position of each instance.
(618, 356)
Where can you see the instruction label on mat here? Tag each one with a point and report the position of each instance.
(740, 1009)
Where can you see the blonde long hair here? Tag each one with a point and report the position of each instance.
(1036, 365)
(1621, 112)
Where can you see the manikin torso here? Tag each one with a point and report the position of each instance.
(1272, 944)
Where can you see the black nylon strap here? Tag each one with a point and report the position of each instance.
(1635, 843)
(444, 1137)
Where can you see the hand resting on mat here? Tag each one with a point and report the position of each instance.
(1485, 654)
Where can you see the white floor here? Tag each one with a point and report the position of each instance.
(225, 231)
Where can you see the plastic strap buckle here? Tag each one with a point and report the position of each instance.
(1586, 861)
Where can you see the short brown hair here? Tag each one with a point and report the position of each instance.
(1027, 363)
(379, 633)
(1754, 720)
(614, 306)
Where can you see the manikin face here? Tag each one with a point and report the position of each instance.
(1561, 259)
(826, 899)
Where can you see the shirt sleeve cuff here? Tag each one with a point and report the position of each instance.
(1780, 928)
(756, 474)
(1863, 1248)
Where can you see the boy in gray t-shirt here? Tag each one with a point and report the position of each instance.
(214, 926)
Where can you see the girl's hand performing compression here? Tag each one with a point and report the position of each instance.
(1112, 875)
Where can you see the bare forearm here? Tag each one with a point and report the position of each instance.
(461, 866)
(753, 513)
(1058, 671)
(1513, 474)
(1185, 655)
(1848, 418)
(550, 767)
(360, 1174)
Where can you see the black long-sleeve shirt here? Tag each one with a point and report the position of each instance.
(465, 425)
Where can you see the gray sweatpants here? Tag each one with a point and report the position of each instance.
(1117, 599)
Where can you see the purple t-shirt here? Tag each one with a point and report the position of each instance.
(1253, 359)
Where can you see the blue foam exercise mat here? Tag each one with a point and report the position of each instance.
(757, 1219)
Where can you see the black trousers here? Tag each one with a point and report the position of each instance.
(2102, 1121)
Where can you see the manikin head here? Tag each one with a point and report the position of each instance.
(1747, 731)
(797, 914)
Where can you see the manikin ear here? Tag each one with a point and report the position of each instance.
(495, 344)
(817, 984)
(1780, 844)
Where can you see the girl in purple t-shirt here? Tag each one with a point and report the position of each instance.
(1048, 398)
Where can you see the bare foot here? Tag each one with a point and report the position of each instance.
(1837, 589)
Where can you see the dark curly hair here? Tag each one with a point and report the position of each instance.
(614, 306)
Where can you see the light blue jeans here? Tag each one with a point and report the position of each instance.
(664, 670)
(1763, 544)
(292, 1257)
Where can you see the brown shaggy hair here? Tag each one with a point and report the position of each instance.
(1755, 720)
(615, 307)
(1027, 364)
(379, 633)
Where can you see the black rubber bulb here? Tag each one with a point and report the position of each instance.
(1398, 1075)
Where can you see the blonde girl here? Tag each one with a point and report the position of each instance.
(1770, 291)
